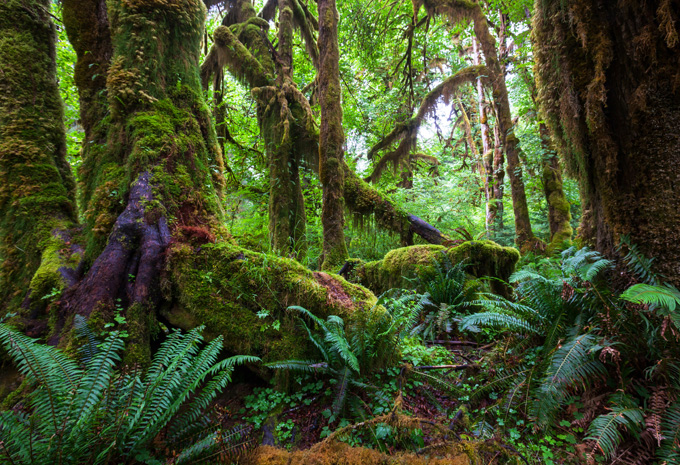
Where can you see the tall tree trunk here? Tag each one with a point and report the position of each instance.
(87, 27)
(608, 77)
(331, 139)
(37, 203)
(456, 10)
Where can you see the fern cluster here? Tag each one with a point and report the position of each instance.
(93, 412)
(350, 355)
(587, 334)
(448, 293)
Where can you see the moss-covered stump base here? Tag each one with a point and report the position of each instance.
(243, 295)
(485, 258)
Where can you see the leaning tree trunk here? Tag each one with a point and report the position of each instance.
(457, 10)
(608, 77)
(331, 139)
(37, 191)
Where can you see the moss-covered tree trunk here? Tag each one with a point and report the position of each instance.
(37, 204)
(155, 245)
(331, 139)
(459, 9)
(559, 209)
(242, 46)
(608, 77)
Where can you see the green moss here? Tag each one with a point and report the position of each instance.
(225, 287)
(139, 321)
(485, 258)
(36, 186)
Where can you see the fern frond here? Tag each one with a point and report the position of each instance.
(497, 321)
(303, 366)
(308, 314)
(667, 296)
(605, 432)
(341, 390)
(500, 382)
(571, 364)
(89, 348)
(95, 382)
(638, 263)
(16, 438)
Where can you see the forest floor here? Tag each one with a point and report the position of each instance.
(298, 416)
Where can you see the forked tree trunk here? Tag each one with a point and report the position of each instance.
(331, 140)
(608, 76)
(153, 191)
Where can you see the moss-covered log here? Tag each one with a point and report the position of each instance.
(608, 79)
(331, 140)
(400, 266)
(243, 295)
(37, 202)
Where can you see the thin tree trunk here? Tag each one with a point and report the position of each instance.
(487, 153)
(331, 140)
(559, 210)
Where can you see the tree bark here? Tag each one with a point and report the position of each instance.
(331, 140)
(37, 204)
(608, 78)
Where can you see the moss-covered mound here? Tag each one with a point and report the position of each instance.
(485, 258)
(243, 295)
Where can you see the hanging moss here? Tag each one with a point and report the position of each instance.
(36, 187)
(400, 266)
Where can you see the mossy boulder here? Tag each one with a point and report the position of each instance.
(400, 266)
(243, 295)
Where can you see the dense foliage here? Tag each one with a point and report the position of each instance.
(245, 169)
